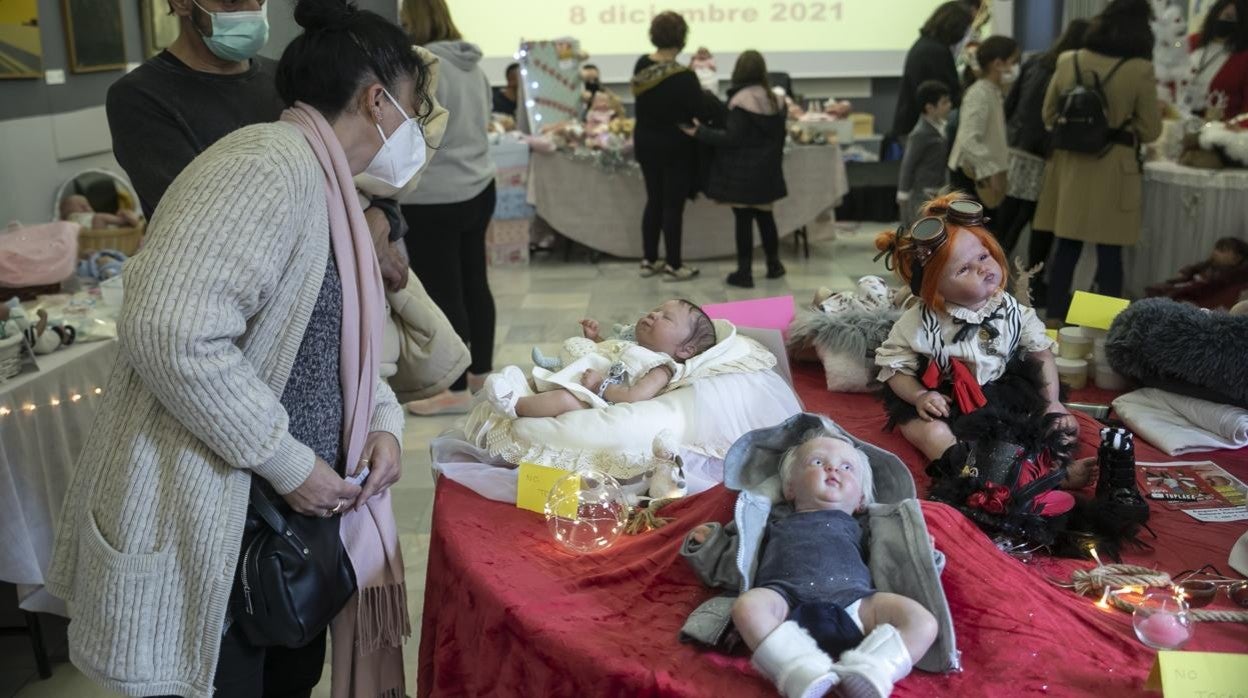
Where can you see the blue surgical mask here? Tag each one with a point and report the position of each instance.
(237, 36)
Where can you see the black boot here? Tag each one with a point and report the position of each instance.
(741, 279)
(1116, 491)
(775, 269)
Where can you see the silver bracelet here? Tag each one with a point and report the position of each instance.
(615, 375)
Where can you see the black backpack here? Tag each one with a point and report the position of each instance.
(1082, 125)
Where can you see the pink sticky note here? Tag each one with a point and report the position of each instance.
(766, 313)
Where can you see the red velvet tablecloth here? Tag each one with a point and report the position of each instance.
(508, 612)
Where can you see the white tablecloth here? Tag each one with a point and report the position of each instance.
(1185, 211)
(38, 449)
(602, 210)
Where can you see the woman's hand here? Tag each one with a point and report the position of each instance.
(384, 459)
(932, 405)
(690, 130)
(589, 329)
(323, 493)
(592, 380)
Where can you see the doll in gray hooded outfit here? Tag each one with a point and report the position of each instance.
(811, 573)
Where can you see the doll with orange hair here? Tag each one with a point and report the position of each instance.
(966, 343)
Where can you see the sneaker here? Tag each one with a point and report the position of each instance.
(445, 402)
(775, 270)
(684, 272)
(649, 269)
(740, 279)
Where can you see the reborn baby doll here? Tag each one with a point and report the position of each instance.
(77, 209)
(967, 343)
(608, 371)
(812, 581)
(1213, 283)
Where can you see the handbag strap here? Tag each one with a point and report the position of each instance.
(264, 507)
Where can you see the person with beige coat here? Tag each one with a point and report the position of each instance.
(1090, 198)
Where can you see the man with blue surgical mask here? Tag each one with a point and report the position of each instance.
(208, 83)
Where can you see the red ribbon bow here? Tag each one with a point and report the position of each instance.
(966, 389)
(992, 498)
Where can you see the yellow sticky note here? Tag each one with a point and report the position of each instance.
(533, 486)
(1198, 674)
(1094, 310)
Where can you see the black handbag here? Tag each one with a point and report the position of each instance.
(293, 575)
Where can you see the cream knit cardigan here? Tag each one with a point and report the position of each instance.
(216, 306)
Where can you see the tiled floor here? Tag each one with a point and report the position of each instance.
(538, 304)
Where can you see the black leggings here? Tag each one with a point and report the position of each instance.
(668, 183)
(446, 246)
(1108, 273)
(745, 218)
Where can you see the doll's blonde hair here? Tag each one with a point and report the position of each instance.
(789, 460)
(935, 267)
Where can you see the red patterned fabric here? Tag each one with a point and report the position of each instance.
(507, 612)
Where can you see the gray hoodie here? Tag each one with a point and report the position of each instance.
(901, 557)
(461, 168)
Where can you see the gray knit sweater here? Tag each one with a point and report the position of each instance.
(216, 306)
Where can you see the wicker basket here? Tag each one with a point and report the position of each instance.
(10, 356)
(124, 240)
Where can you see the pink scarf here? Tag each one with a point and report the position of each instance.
(368, 634)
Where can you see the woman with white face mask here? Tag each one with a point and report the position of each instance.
(248, 373)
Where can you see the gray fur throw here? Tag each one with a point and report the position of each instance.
(846, 344)
(1182, 349)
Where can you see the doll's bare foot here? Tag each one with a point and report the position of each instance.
(821, 295)
(1080, 474)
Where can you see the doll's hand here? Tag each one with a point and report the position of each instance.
(589, 330)
(932, 405)
(699, 534)
(592, 380)
(1066, 422)
(1080, 474)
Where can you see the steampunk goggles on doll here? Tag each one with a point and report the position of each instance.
(928, 235)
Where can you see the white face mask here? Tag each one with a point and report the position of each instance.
(402, 155)
(1011, 74)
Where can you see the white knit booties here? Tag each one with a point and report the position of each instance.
(870, 669)
(505, 388)
(793, 661)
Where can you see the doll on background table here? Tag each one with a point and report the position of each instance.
(966, 343)
(703, 65)
(812, 599)
(603, 109)
(1216, 282)
(604, 372)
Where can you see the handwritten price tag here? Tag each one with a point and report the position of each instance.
(534, 484)
(1198, 674)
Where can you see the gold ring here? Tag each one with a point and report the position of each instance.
(365, 461)
(338, 508)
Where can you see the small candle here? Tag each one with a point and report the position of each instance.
(1163, 629)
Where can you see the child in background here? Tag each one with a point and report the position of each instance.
(923, 172)
(608, 371)
(811, 565)
(980, 155)
(747, 172)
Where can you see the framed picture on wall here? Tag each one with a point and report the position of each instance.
(21, 51)
(160, 27)
(94, 35)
